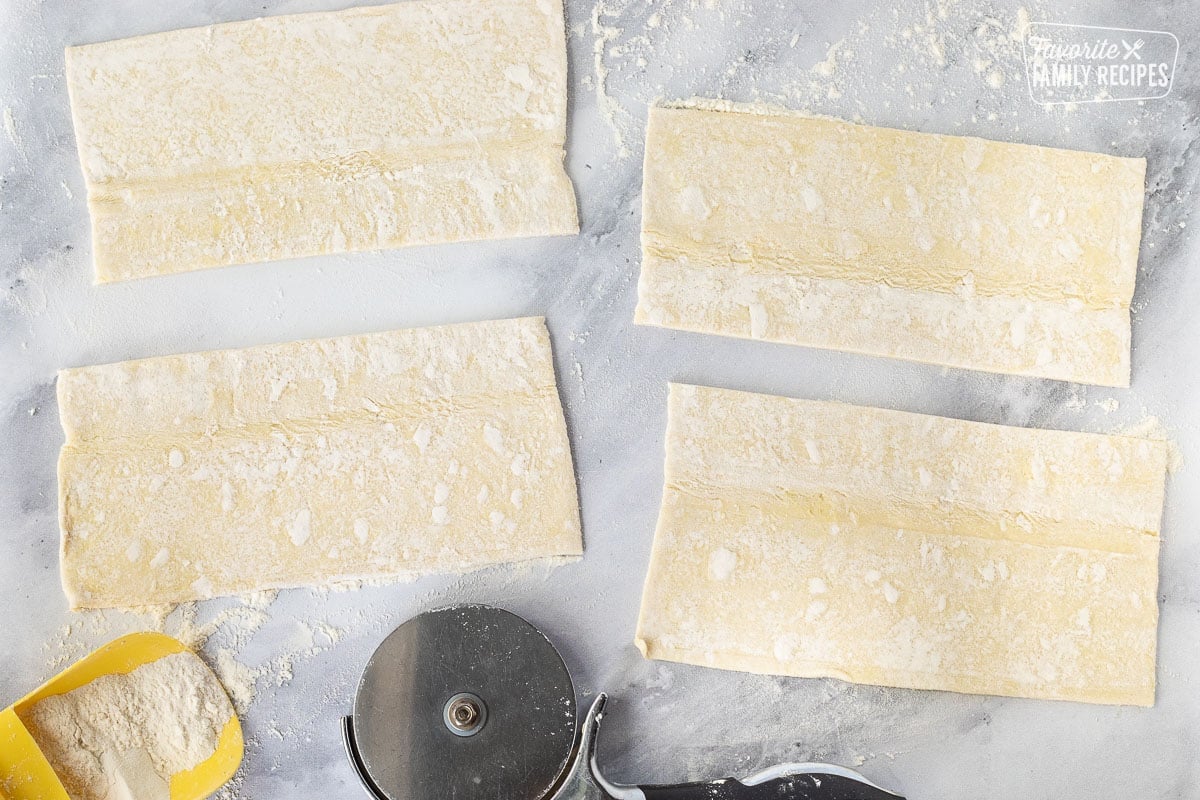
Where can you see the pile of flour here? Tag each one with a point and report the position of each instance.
(122, 737)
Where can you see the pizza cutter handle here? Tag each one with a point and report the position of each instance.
(793, 785)
(808, 781)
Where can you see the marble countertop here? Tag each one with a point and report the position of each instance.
(949, 66)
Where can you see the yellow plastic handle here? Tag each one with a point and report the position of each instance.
(26, 775)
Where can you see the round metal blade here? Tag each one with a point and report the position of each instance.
(410, 737)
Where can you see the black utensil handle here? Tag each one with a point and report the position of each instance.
(802, 786)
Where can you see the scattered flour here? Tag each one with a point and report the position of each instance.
(1151, 427)
(226, 634)
(222, 635)
(122, 737)
(828, 67)
(910, 56)
(609, 108)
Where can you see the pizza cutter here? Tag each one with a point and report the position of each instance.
(474, 703)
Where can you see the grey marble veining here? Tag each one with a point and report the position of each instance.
(913, 64)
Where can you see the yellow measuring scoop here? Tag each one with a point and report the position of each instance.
(25, 774)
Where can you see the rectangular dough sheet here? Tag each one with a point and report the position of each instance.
(819, 539)
(942, 249)
(415, 123)
(382, 456)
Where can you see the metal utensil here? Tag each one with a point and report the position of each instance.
(474, 703)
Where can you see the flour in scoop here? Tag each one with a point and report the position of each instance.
(122, 737)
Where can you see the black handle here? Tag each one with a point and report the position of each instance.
(801, 786)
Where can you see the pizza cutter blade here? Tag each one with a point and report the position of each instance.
(463, 703)
(474, 703)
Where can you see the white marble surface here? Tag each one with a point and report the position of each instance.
(668, 722)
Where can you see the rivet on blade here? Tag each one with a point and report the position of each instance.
(464, 714)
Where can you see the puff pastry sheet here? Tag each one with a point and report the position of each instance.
(388, 455)
(825, 540)
(415, 123)
(943, 249)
